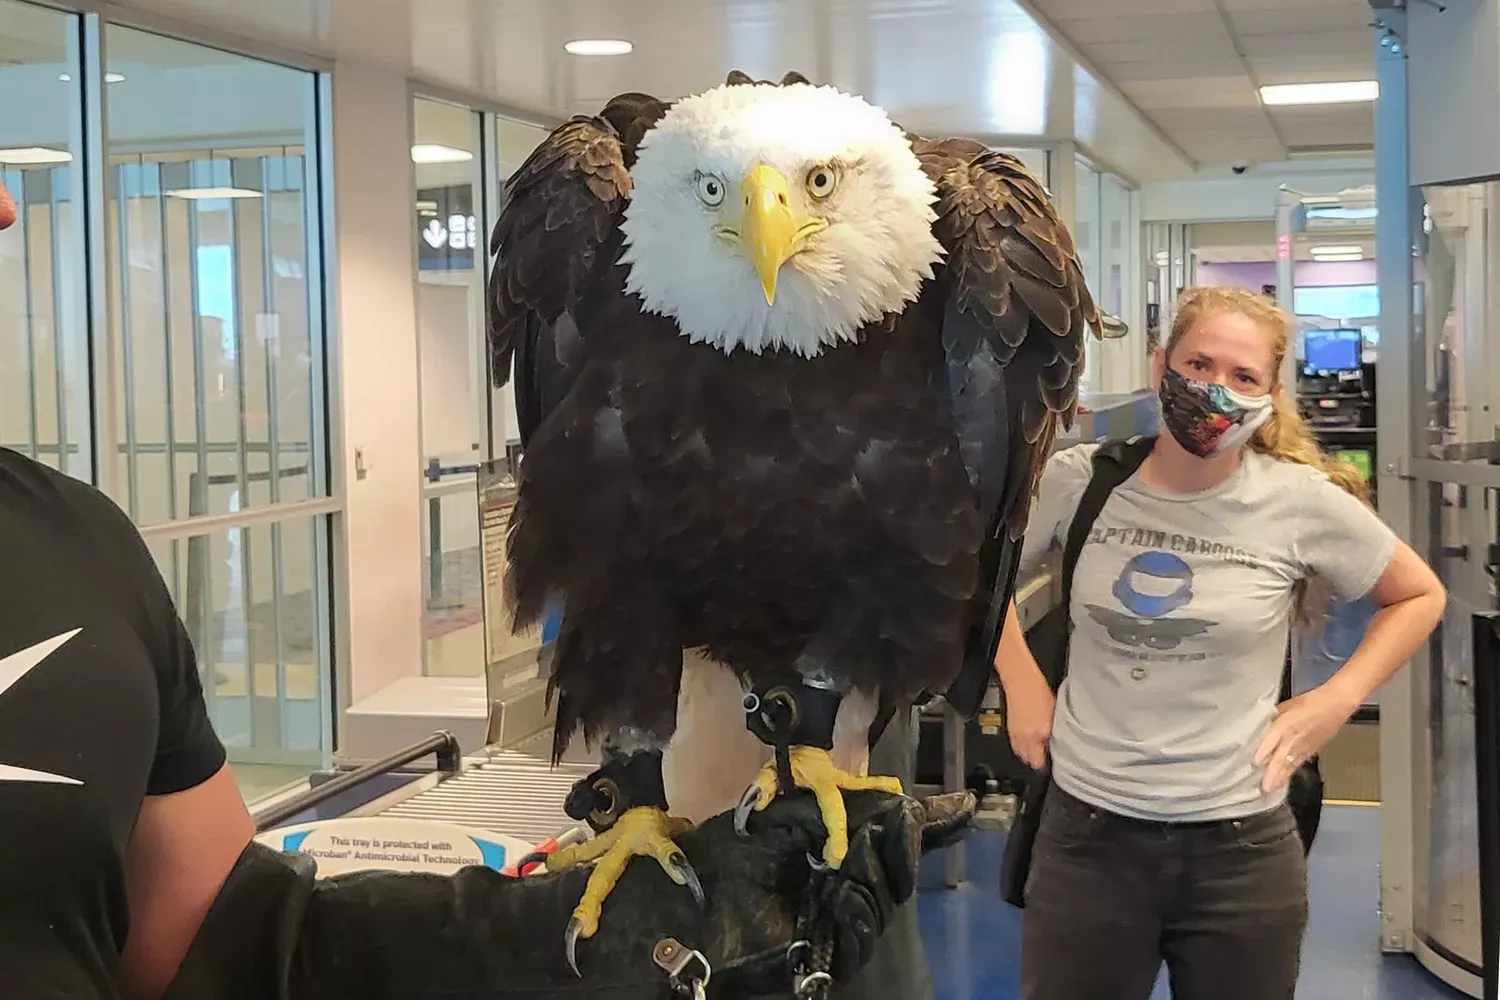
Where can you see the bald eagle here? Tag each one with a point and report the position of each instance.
(786, 377)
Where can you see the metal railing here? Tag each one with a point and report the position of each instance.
(442, 743)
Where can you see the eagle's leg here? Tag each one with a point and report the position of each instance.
(625, 803)
(797, 719)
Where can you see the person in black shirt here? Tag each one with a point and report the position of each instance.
(127, 868)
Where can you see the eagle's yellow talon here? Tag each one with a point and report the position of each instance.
(641, 832)
(813, 769)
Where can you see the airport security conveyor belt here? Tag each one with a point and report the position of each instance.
(504, 791)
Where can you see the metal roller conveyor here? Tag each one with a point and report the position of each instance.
(505, 791)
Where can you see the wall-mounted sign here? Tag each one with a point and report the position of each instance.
(447, 231)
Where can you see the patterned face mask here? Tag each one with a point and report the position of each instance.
(1208, 419)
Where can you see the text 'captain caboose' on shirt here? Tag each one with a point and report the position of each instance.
(1181, 608)
(100, 706)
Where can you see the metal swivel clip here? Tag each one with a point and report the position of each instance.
(687, 970)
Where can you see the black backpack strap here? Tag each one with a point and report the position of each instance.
(1114, 462)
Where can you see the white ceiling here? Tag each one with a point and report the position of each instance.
(1195, 68)
(1008, 71)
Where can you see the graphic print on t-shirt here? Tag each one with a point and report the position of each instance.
(12, 669)
(1154, 591)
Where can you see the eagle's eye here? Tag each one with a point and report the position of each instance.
(821, 181)
(710, 190)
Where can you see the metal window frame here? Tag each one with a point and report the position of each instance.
(100, 302)
(1396, 392)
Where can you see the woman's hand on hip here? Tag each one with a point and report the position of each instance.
(1029, 712)
(1302, 728)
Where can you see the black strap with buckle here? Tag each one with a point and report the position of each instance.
(622, 783)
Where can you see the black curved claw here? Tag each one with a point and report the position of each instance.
(690, 878)
(818, 864)
(747, 805)
(534, 858)
(575, 929)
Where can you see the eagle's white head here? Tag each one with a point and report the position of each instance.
(777, 217)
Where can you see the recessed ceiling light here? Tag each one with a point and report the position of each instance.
(1319, 251)
(599, 47)
(431, 152)
(108, 78)
(1338, 258)
(1320, 93)
(200, 194)
(33, 155)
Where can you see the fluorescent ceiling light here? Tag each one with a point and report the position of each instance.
(1319, 251)
(1320, 93)
(1338, 258)
(33, 155)
(108, 78)
(431, 152)
(198, 194)
(599, 47)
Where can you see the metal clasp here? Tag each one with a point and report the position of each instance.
(678, 962)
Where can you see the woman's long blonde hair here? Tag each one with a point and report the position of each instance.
(1285, 435)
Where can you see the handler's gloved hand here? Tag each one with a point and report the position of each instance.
(890, 833)
(276, 933)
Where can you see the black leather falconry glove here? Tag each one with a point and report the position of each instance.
(773, 921)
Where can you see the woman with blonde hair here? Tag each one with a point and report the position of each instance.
(1165, 835)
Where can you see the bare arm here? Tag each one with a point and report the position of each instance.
(1029, 702)
(1411, 600)
(1016, 667)
(183, 848)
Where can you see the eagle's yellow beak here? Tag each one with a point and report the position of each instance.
(771, 231)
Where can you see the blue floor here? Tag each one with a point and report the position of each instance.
(973, 939)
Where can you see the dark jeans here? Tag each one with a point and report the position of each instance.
(1109, 899)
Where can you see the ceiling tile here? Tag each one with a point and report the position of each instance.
(1074, 9)
(1248, 23)
(1139, 27)
(1243, 120)
(1296, 8)
(1193, 92)
(1154, 69)
(1165, 51)
(1342, 44)
(1281, 68)
(1215, 149)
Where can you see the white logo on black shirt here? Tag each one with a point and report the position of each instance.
(12, 669)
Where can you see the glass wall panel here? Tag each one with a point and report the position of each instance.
(254, 602)
(211, 395)
(1086, 236)
(1462, 523)
(44, 343)
(1459, 263)
(449, 220)
(214, 384)
(1116, 241)
(455, 353)
(1456, 267)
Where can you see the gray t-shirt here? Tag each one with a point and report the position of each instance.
(1181, 609)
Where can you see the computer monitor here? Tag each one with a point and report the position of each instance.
(1331, 351)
